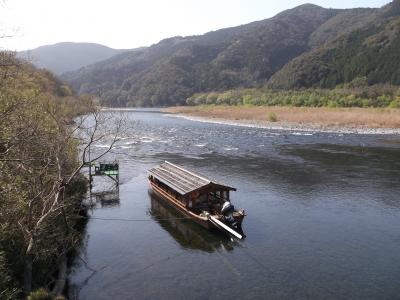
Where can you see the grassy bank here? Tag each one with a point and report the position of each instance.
(315, 116)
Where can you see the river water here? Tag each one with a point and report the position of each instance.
(323, 217)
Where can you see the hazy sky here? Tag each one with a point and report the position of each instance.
(134, 23)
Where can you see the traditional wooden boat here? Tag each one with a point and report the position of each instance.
(204, 201)
(184, 231)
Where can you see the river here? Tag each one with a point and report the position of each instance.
(323, 217)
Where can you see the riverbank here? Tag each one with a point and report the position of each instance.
(345, 120)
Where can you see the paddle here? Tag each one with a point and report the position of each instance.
(221, 225)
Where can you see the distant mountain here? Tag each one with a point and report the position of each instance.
(361, 45)
(63, 57)
(307, 46)
(172, 70)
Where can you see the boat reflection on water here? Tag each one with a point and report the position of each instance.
(106, 199)
(186, 232)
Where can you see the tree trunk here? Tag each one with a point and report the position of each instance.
(28, 266)
(62, 277)
(28, 273)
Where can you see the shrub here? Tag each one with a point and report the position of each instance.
(40, 294)
(7, 286)
(211, 98)
(272, 117)
(395, 104)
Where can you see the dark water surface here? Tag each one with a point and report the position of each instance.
(323, 217)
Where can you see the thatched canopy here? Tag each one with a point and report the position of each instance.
(183, 181)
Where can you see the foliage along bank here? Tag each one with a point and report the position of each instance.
(39, 199)
(347, 95)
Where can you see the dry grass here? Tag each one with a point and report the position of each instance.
(320, 116)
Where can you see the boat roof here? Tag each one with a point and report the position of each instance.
(181, 180)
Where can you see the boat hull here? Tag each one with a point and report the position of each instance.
(202, 221)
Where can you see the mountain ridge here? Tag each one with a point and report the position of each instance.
(170, 71)
(369, 51)
(307, 46)
(67, 56)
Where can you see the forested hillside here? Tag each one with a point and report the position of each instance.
(304, 47)
(369, 52)
(172, 70)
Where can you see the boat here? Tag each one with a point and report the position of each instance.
(185, 232)
(197, 197)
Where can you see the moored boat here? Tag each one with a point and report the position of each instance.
(197, 197)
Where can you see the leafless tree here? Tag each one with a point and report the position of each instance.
(91, 129)
(39, 161)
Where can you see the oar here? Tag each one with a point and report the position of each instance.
(223, 226)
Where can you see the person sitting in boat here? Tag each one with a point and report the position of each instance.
(193, 200)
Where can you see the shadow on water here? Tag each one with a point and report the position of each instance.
(106, 199)
(351, 163)
(344, 155)
(187, 233)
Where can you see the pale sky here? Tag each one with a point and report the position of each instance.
(127, 24)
